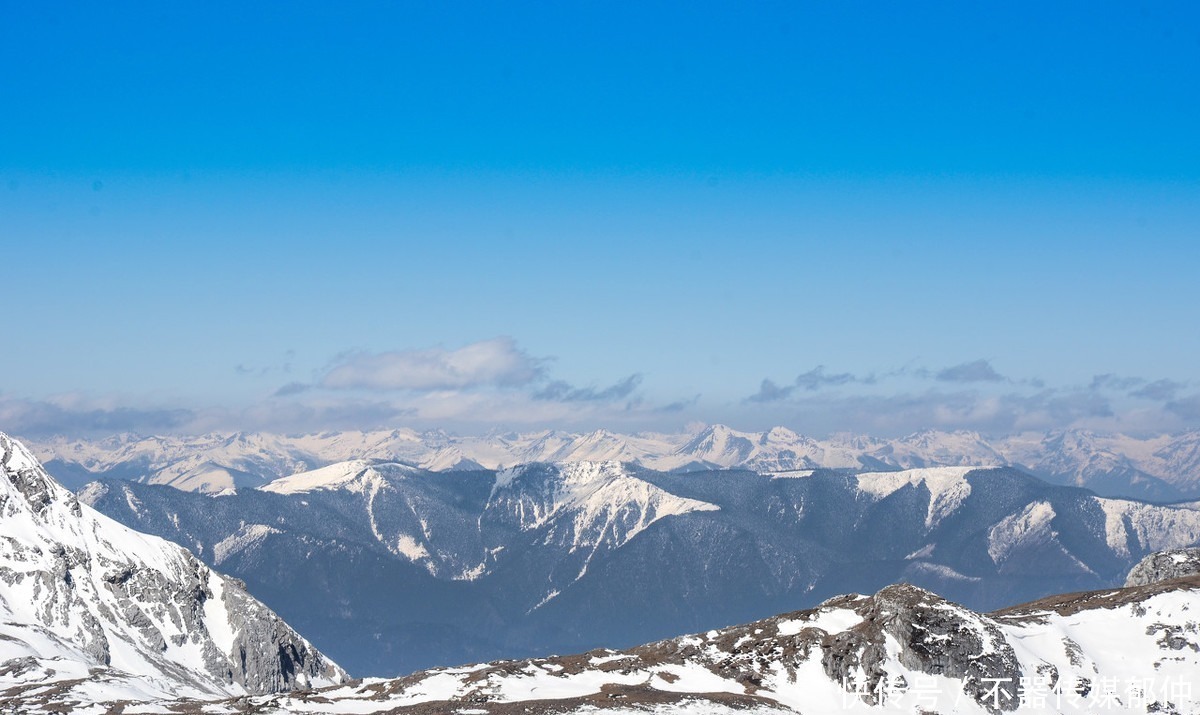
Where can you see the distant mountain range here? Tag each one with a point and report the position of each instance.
(1163, 468)
(99, 618)
(391, 568)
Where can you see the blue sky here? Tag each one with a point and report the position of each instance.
(482, 215)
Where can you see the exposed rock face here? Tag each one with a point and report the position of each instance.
(931, 636)
(1164, 565)
(76, 586)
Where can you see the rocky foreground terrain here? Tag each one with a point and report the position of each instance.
(903, 649)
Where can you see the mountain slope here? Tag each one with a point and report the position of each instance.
(80, 594)
(390, 568)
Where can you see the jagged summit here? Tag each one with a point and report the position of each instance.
(82, 594)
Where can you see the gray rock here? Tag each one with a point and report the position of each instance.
(935, 637)
(1165, 565)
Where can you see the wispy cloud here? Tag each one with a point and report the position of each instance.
(76, 417)
(904, 412)
(1186, 407)
(283, 367)
(292, 388)
(679, 405)
(1160, 390)
(970, 395)
(811, 381)
(768, 391)
(1110, 381)
(561, 391)
(817, 378)
(974, 371)
(494, 383)
(489, 363)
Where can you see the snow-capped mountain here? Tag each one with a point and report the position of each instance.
(903, 649)
(1163, 468)
(369, 558)
(90, 608)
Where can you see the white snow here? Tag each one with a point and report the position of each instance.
(830, 620)
(792, 474)
(948, 487)
(1155, 527)
(57, 620)
(605, 503)
(335, 476)
(601, 660)
(245, 537)
(410, 548)
(1030, 526)
(217, 617)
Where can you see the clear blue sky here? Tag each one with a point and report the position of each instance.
(628, 215)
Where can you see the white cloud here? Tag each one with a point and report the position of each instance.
(488, 363)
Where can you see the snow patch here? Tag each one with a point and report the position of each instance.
(356, 475)
(1030, 526)
(948, 487)
(410, 548)
(242, 539)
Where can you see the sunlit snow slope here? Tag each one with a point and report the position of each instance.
(91, 607)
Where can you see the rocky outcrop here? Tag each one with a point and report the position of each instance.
(929, 635)
(1165, 565)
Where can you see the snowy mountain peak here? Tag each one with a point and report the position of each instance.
(27, 481)
(82, 594)
(720, 445)
(782, 435)
(605, 501)
(356, 475)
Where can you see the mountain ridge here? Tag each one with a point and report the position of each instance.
(1162, 468)
(516, 554)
